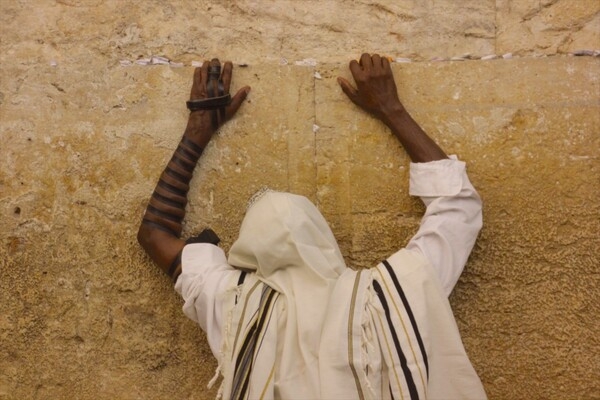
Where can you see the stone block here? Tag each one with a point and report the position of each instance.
(527, 27)
(247, 31)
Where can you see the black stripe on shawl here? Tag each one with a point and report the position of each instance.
(259, 329)
(246, 382)
(267, 305)
(236, 382)
(263, 336)
(247, 342)
(413, 322)
(250, 341)
(240, 281)
(412, 389)
(241, 278)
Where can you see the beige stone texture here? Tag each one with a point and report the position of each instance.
(83, 139)
(537, 27)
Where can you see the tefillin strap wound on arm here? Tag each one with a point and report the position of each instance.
(166, 208)
(217, 99)
(206, 236)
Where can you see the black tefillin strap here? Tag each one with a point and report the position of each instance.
(172, 197)
(206, 236)
(217, 99)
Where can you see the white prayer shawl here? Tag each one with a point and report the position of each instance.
(304, 326)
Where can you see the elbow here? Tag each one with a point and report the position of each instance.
(477, 214)
(478, 223)
(144, 237)
(479, 211)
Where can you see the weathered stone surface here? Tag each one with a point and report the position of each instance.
(83, 141)
(249, 31)
(547, 26)
(74, 186)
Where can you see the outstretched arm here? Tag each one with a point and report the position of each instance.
(376, 93)
(160, 230)
(453, 217)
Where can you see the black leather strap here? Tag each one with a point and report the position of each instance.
(172, 189)
(174, 264)
(206, 236)
(184, 163)
(188, 155)
(170, 202)
(174, 174)
(212, 103)
(159, 226)
(163, 214)
(192, 145)
(217, 99)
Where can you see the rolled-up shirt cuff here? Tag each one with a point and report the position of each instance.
(437, 178)
(205, 275)
(204, 267)
(197, 259)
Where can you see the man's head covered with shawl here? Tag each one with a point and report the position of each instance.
(286, 232)
(287, 242)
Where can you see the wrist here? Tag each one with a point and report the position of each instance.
(199, 128)
(393, 114)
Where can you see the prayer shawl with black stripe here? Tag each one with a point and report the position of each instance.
(303, 326)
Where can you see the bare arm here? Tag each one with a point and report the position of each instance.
(453, 217)
(376, 93)
(160, 230)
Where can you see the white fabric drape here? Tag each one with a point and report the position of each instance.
(330, 332)
(286, 240)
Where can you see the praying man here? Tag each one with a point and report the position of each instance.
(283, 314)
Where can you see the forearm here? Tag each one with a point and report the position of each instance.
(419, 146)
(211, 106)
(165, 212)
(166, 208)
(452, 220)
(376, 93)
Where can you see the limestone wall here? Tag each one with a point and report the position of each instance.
(86, 126)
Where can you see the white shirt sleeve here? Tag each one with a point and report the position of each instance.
(452, 220)
(205, 276)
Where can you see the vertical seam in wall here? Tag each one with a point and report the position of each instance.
(315, 142)
(350, 220)
(496, 27)
(291, 188)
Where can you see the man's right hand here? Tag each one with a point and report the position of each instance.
(376, 94)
